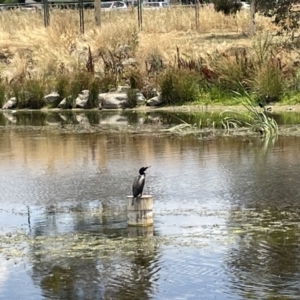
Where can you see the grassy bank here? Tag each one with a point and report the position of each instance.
(187, 65)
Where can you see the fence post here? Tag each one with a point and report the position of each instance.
(46, 13)
(252, 17)
(197, 13)
(97, 7)
(81, 16)
(140, 14)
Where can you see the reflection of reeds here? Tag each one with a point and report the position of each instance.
(204, 120)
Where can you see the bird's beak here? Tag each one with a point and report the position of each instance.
(148, 167)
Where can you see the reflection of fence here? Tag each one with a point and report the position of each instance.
(81, 5)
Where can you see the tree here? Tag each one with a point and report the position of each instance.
(8, 1)
(227, 6)
(286, 13)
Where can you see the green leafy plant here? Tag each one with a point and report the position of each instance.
(285, 14)
(269, 81)
(235, 74)
(135, 79)
(28, 92)
(259, 121)
(94, 88)
(179, 86)
(61, 86)
(36, 89)
(107, 82)
(132, 98)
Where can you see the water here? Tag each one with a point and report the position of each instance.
(226, 215)
(127, 117)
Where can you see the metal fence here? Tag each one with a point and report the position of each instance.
(81, 5)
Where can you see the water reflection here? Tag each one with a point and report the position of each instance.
(125, 118)
(86, 118)
(265, 261)
(92, 272)
(225, 216)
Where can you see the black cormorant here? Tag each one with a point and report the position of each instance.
(138, 184)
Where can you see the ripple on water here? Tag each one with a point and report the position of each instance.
(226, 219)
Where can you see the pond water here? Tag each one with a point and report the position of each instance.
(127, 117)
(226, 214)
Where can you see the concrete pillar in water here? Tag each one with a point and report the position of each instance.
(140, 214)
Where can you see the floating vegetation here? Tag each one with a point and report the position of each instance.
(227, 225)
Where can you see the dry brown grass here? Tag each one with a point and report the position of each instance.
(26, 47)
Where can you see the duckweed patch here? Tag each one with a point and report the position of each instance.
(267, 224)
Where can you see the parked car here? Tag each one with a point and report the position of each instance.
(35, 6)
(113, 5)
(155, 5)
(245, 5)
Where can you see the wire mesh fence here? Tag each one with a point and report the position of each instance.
(100, 9)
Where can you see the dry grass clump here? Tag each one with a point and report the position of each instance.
(27, 45)
(220, 51)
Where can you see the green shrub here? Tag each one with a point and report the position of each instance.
(132, 98)
(62, 86)
(216, 94)
(23, 97)
(179, 86)
(79, 81)
(269, 82)
(34, 92)
(235, 72)
(29, 92)
(154, 62)
(227, 6)
(135, 79)
(107, 82)
(70, 85)
(94, 88)
(263, 46)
